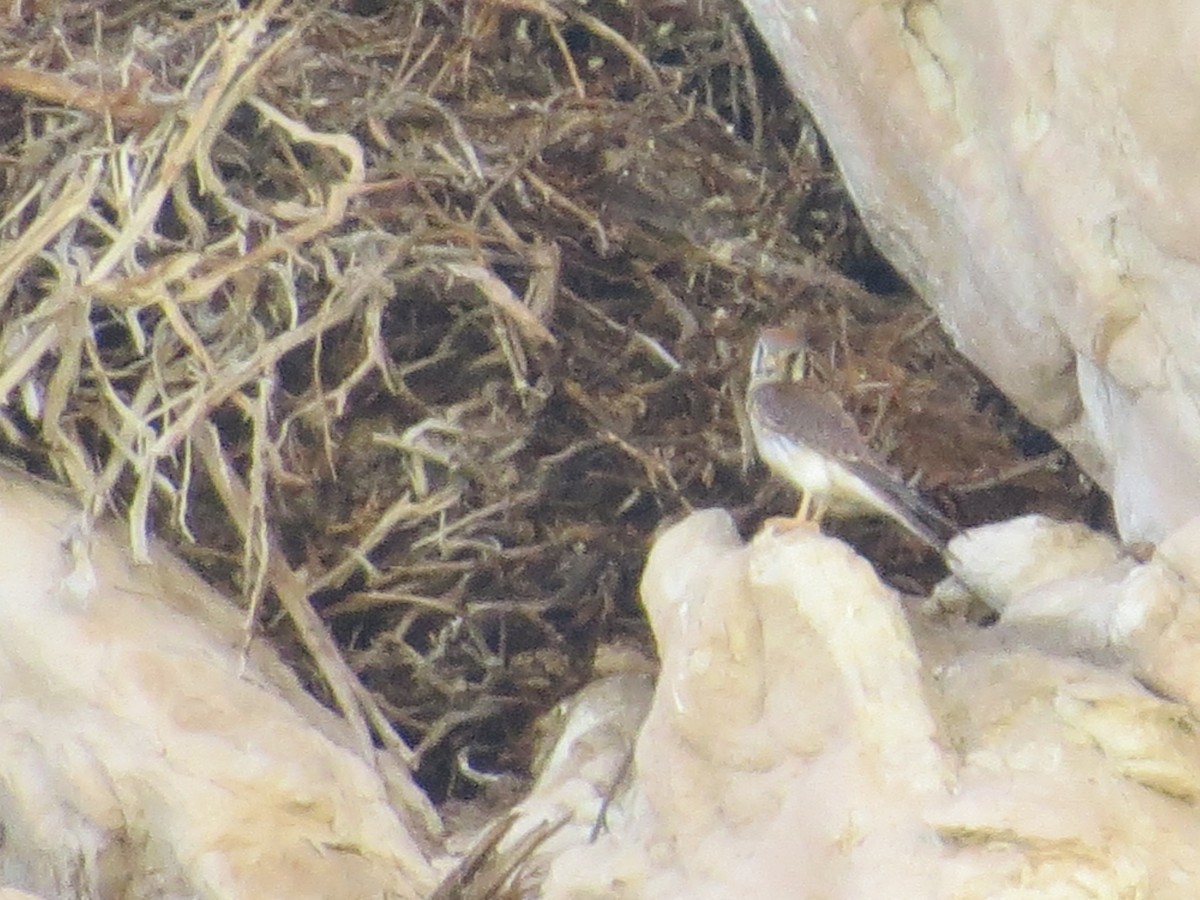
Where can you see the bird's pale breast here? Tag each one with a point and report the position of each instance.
(839, 491)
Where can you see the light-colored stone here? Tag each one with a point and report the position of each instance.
(1030, 167)
(812, 734)
(144, 755)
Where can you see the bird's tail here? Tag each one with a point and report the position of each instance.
(922, 519)
(912, 510)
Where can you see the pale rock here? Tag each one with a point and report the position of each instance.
(1029, 167)
(143, 756)
(812, 734)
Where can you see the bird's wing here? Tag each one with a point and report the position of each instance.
(812, 417)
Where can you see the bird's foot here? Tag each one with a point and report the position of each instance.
(807, 518)
(785, 524)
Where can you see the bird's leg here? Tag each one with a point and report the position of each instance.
(808, 516)
(818, 513)
(805, 506)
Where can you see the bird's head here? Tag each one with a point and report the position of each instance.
(779, 355)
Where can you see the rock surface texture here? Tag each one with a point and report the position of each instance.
(1029, 167)
(815, 734)
(145, 754)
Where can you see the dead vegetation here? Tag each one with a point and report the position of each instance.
(410, 321)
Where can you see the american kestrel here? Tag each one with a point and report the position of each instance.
(803, 433)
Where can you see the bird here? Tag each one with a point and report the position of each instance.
(804, 434)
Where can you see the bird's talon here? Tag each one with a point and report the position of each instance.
(784, 524)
